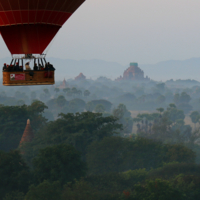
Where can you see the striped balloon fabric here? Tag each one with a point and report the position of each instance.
(28, 26)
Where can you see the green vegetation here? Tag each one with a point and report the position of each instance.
(88, 145)
(15, 174)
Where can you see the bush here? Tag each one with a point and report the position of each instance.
(44, 191)
(156, 190)
(173, 169)
(15, 195)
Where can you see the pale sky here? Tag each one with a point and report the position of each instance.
(144, 31)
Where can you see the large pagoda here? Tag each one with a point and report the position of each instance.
(133, 73)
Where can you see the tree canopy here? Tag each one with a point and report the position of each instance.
(58, 163)
(13, 122)
(79, 130)
(116, 154)
(15, 174)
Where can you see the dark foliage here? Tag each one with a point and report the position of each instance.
(58, 163)
(14, 173)
(116, 154)
(13, 122)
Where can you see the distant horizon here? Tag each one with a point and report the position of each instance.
(94, 68)
(98, 59)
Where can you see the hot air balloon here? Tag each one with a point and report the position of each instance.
(27, 27)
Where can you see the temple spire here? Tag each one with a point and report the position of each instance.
(28, 133)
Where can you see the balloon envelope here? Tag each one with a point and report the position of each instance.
(28, 26)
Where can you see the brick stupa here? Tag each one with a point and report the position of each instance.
(63, 85)
(28, 134)
(80, 77)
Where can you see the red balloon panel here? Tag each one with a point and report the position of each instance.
(33, 17)
(28, 39)
(28, 26)
(56, 5)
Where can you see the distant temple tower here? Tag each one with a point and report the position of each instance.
(80, 77)
(63, 85)
(28, 134)
(133, 73)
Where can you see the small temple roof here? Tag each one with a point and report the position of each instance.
(28, 134)
(63, 85)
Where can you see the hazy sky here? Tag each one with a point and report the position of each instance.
(145, 31)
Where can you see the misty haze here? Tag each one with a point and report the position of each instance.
(100, 100)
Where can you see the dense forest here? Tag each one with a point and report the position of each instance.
(101, 139)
